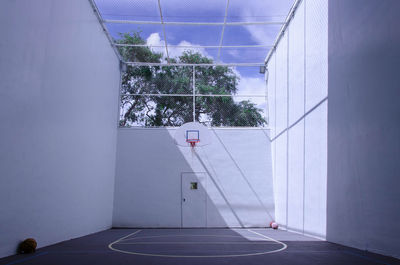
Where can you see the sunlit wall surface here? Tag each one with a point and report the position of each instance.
(238, 178)
(297, 101)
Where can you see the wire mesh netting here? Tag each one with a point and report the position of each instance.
(155, 111)
(154, 96)
(229, 111)
(223, 24)
(191, 60)
(157, 80)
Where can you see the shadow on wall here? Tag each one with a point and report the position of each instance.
(300, 162)
(154, 176)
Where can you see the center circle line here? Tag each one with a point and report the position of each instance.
(110, 246)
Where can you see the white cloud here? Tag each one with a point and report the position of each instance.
(177, 51)
(265, 10)
(155, 40)
(234, 53)
(251, 86)
(261, 35)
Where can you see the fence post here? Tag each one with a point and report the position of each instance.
(194, 93)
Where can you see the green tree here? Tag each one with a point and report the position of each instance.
(156, 110)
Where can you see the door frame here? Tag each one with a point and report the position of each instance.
(205, 190)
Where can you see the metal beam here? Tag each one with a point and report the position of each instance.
(194, 93)
(101, 21)
(283, 29)
(193, 46)
(163, 26)
(223, 30)
(170, 23)
(191, 64)
(191, 95)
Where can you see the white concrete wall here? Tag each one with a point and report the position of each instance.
(148, 180)
(297, 93)
(363, 128)
(58, 113)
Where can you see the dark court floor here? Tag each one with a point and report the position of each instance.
(197, 246)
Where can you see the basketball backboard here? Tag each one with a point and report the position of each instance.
(192, 133)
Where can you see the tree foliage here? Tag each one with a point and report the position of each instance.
(154, 110)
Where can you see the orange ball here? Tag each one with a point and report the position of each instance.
(27, 246)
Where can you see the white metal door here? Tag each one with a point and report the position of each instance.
(194, 200)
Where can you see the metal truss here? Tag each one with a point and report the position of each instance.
(283, 29)
(163, 23)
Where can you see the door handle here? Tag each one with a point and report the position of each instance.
(184, 199)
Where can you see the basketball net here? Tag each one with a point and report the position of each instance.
(192, 143)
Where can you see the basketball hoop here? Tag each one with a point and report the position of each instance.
(192, 134)
(193, 142)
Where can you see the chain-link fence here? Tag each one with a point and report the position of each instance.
(173, 55)
(221, 96)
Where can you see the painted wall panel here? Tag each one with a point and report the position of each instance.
(363, 128)
(316, 52)
(281, 86)
(237, 163)
(296, 66)
(316, 171)
(272, 96)
(296, 176)
(58, 114)
(304, 75)
(155, 186)
(273, 160)
(280, 185)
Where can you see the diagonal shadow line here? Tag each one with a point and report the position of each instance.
(266, 135)
(219, 184)
(299, 119)
(243, 175)
(213, 170)
(219, 189)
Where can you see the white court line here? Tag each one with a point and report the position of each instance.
(122, 238)
(139, 237)
(197, 256)
(270, 238)
(197, 243)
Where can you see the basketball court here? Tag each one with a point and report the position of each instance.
(197, 246)
(199, 132)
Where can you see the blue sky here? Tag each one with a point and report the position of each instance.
(206, 11)
(203, 11)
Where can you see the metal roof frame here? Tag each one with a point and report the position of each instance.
(283, 29)
(219, 47)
